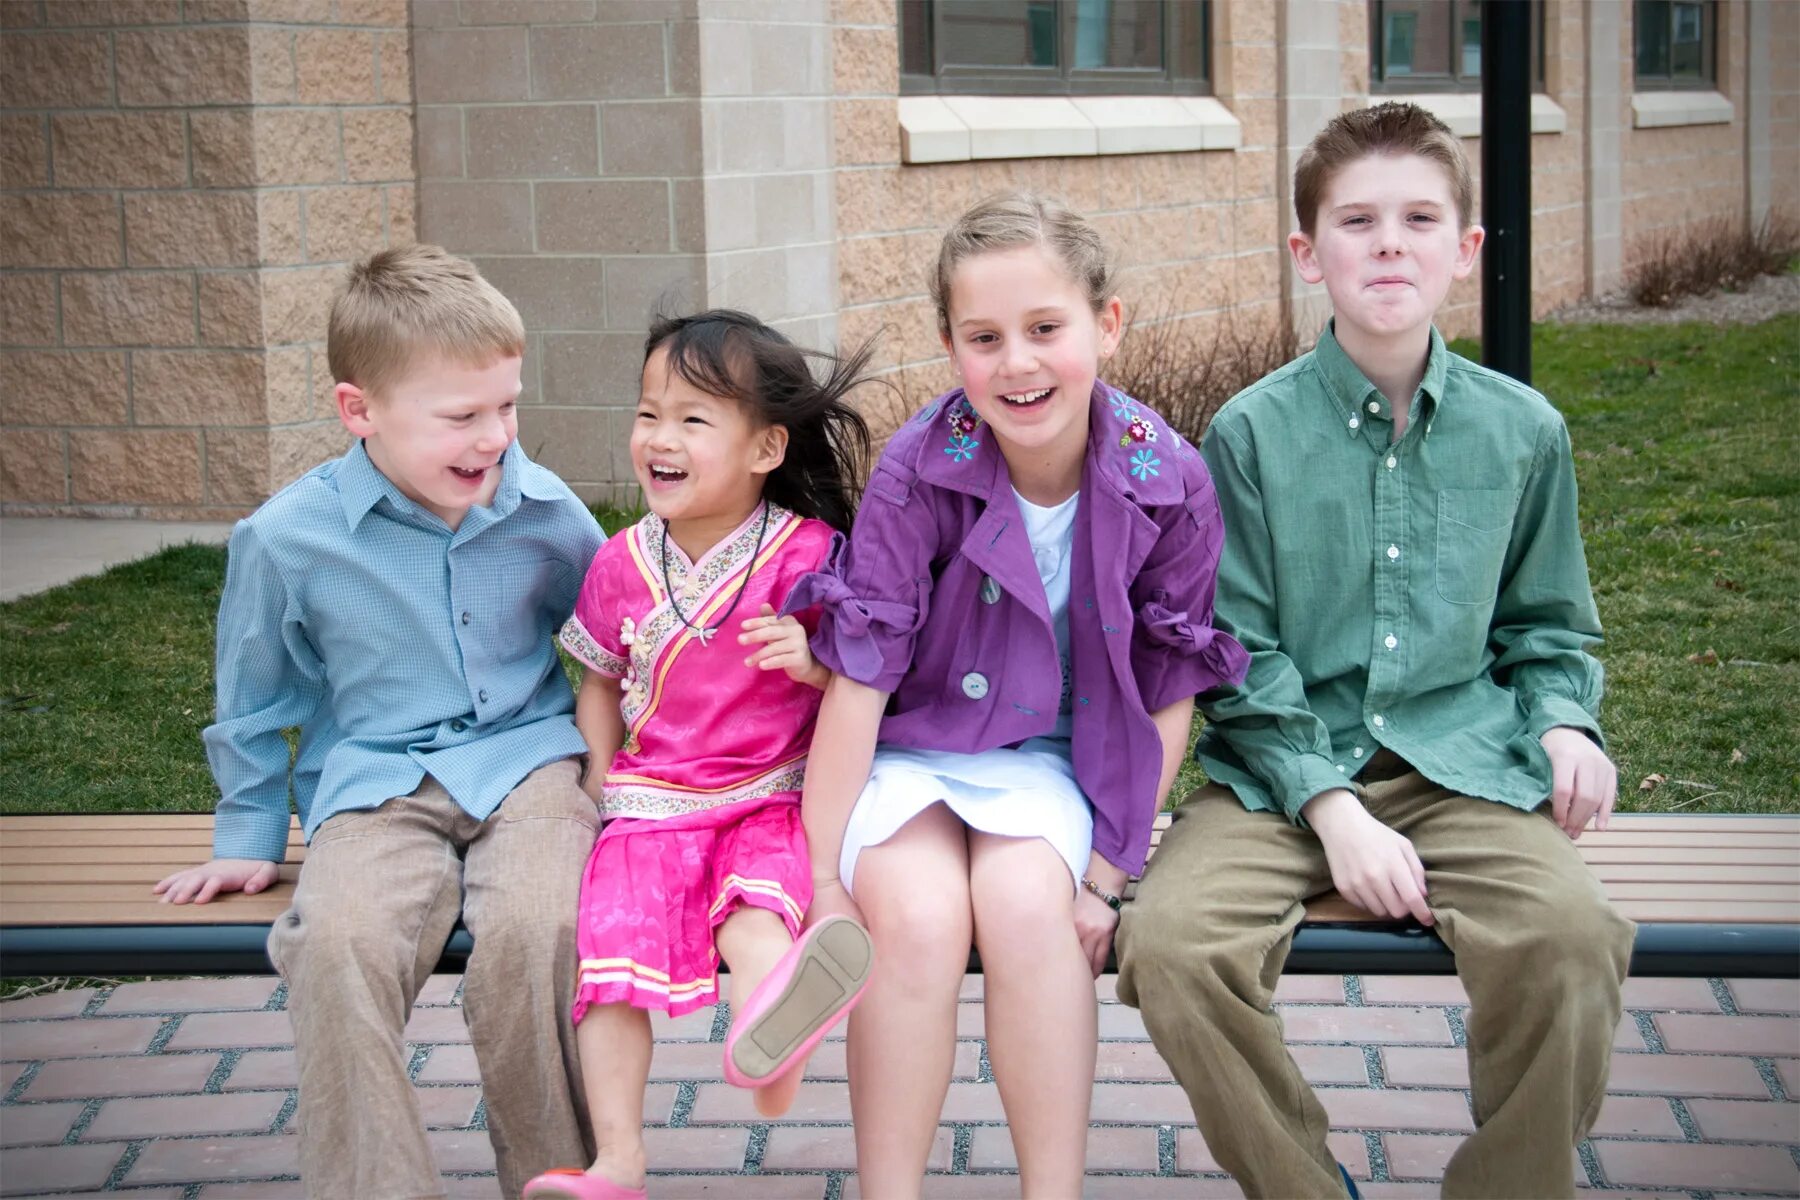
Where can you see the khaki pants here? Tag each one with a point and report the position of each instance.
(378, 895)
(1539, 948)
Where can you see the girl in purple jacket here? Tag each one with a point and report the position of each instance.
(1017, 628)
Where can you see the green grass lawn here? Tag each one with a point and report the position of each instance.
(1689, 463)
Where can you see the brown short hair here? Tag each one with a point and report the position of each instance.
(396, 303)
(1009, 219)
(1391, 128)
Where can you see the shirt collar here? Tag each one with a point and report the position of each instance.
(1129, 447)
(1353, 394)
(361, 485)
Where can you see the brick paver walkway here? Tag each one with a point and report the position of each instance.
(186, 1089)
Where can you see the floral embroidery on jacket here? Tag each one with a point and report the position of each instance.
(1140, 430)
(1144, 464)
(963, 424)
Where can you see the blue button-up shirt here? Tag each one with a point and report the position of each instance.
(397, 645)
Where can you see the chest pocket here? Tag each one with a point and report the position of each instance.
(1474, 527)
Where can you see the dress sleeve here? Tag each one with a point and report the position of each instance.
(595, 633)
(1175, 650)
(875, 588)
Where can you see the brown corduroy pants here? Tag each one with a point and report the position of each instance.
(378, 895)
(1539, 948)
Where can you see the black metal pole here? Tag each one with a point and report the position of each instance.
(1506, 186)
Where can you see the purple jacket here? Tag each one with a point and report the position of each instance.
(936, 599)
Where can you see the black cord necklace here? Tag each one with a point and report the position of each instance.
(705, 632)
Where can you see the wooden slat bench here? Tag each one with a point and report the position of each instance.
(1713, 896)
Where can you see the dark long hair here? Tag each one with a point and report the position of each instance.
(724, 352)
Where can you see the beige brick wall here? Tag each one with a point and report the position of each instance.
(1196, 233)
(182, 184)
(1680, 177)
(1784, 105)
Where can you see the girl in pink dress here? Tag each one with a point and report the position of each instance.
(697, 704)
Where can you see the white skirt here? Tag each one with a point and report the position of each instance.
(1027, 792)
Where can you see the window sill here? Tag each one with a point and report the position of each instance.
(1662, 110)
(1461, 111)
(962, 128)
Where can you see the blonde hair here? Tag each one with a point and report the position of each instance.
(397, 303)
(1391, 128)
(1010, 219)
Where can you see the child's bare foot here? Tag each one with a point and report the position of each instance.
(774, 1098)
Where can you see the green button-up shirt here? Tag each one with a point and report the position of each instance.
(1429, 595)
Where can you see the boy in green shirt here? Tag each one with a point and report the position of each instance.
(1419, 726)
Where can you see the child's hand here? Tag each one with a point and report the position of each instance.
(1372, 866)
(1095, 920)
(200, 884)
(1584, 781)
(831, 899)
(784, 646)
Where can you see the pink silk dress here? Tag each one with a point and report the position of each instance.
(702, 802)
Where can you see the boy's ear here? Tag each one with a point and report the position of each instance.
(1467, 249)
(771, 449)
(353, 409)
(1306, 259)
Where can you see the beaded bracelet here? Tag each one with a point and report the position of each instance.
(1113, 902)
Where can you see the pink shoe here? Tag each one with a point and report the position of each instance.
(571, 1183)
(814, 986)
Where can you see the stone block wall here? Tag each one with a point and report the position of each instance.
(1195, 233)
(602, 160)
(184, 180)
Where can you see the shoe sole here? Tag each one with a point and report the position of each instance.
(831, 974)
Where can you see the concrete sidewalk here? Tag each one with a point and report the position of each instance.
(185, 1088)
(44, 552)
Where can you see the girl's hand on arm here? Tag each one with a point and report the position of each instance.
(199, 884)
(1372, 866)
(602, 726)
(783, 647)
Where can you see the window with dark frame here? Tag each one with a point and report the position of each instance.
(1435, 45)
(1055, 47)
(1677, 44)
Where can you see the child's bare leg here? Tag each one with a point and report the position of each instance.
(1041, 1017)
(615, 1044)
(913, 890)
(752, 941)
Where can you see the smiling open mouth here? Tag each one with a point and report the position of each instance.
(1025, 399)
(662, 474)
(469, 473)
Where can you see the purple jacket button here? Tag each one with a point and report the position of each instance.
(990, 590)
(975, 685)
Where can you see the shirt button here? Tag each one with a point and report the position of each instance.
(465, 618)
(1390, 641)
(1357, 752)
(457, 727)
(1341, 770)
(482, 695)
(1393, 552)
(975, 685)
(1379, 722)
(1392, 462)
(1374, 406)
(1354, 422)
(990, 590)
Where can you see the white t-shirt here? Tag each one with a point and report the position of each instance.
(1052, 534)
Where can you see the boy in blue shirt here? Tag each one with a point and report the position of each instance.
(1419, 727)
(398, 605)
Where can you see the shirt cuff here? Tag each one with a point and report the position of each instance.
(1549, 712)
(1303, 777)
(252, 837)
